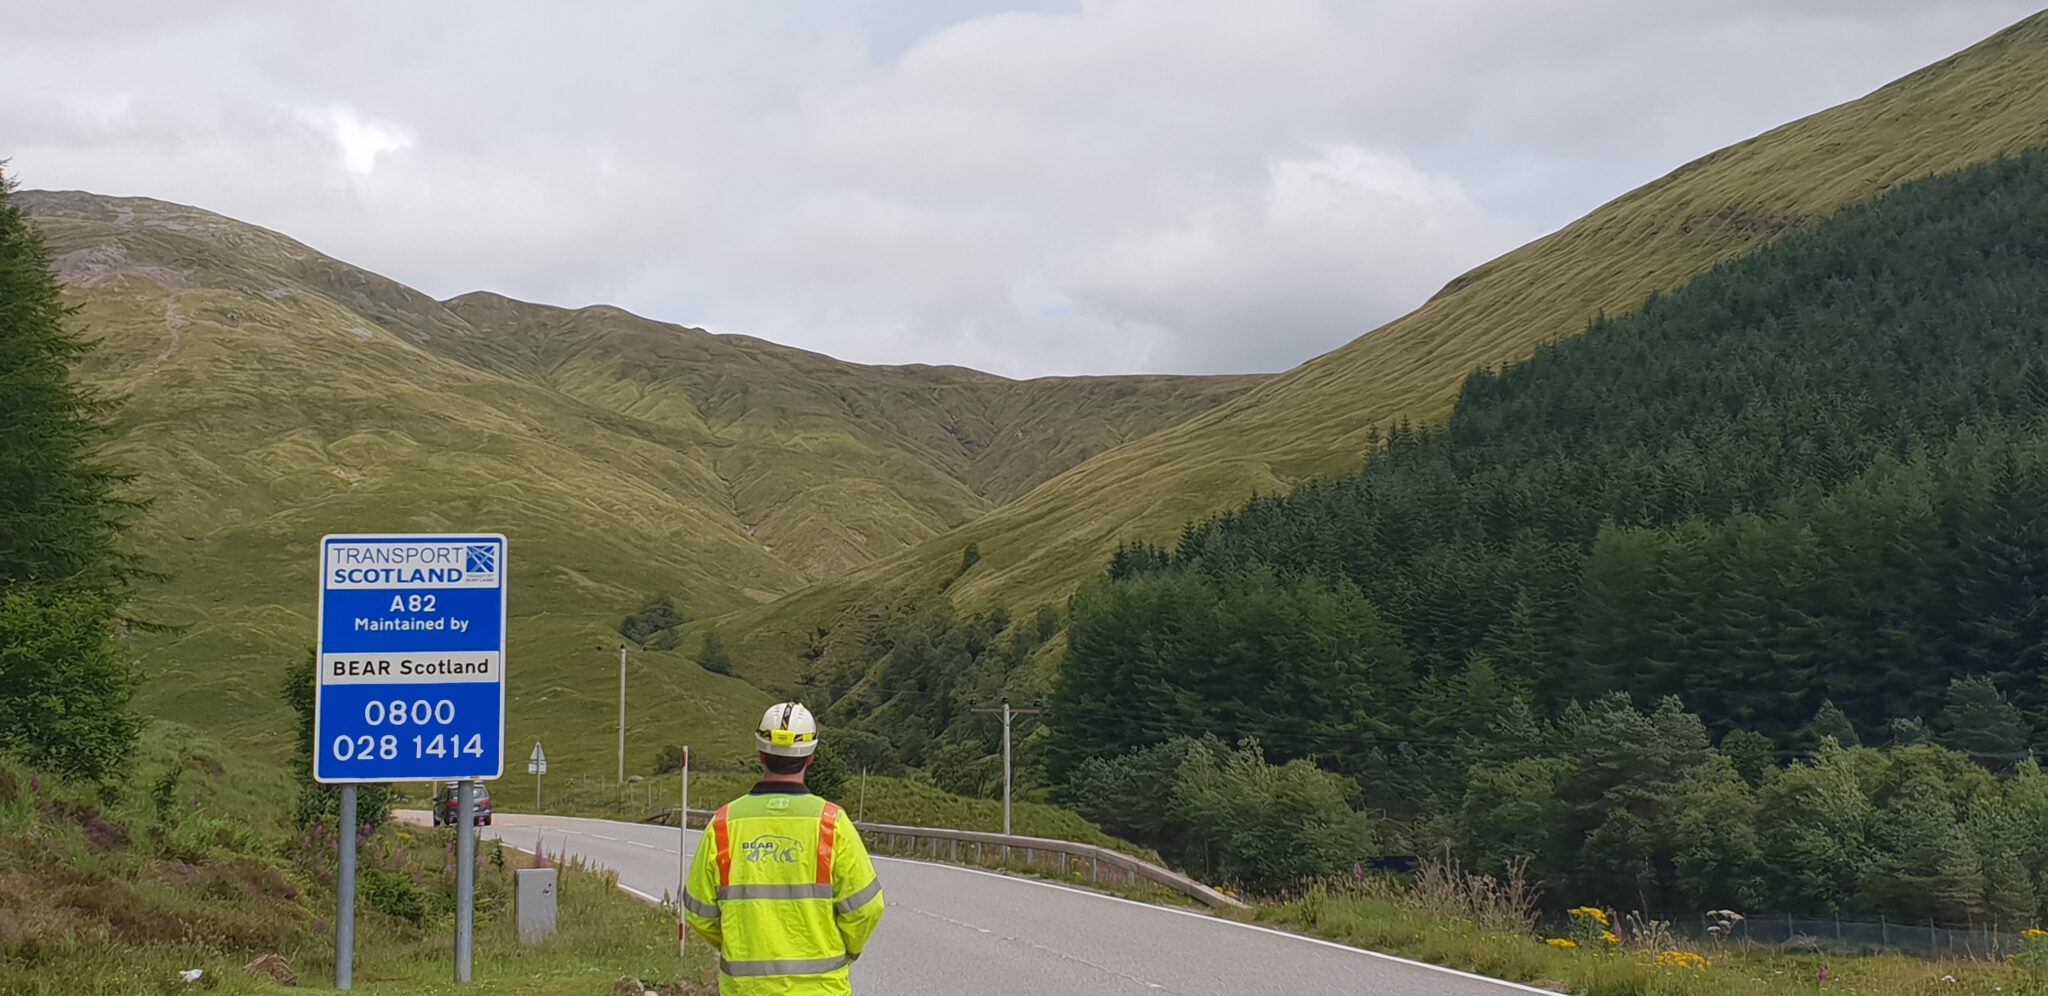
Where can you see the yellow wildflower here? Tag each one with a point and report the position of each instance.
(1610, 937)
(1593, 912)
(1682, 959)
(2037, 932)
(1562, 942)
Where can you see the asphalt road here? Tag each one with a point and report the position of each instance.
(952, 930)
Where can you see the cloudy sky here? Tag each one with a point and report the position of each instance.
(1054, 187)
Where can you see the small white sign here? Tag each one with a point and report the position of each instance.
(537, 762)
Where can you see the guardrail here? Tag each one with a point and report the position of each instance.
(1103, 864)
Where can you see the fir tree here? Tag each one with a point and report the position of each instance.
(1752, 753)
(1909, 731)
(58, 513)
(1830, 724)
(64, 683)
(1980, 722)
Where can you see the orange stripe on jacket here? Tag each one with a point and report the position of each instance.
(721, 844)
(826, 827)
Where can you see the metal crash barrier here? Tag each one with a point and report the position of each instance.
(1070, 859)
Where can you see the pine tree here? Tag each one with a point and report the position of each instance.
(65, 684)
(1910, 730)
(1752, 753)
(58, 513)
(1831, 723)
(1980, 722)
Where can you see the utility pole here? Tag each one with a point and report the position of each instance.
(622, 714)
(1008, 714)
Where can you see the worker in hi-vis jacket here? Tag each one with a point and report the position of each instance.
(782, 885)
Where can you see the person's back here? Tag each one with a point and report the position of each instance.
(781, 884)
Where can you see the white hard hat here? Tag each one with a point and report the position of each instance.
(788, 729)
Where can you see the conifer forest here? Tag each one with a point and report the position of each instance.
(1740, 600)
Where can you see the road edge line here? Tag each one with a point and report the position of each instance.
(636, 893)
(1198, 914)
(1201, 915)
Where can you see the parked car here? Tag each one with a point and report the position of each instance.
(444, 805)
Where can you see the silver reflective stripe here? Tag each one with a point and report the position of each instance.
(782, 966)
(708, 911)
(774, 892)
(859, 899)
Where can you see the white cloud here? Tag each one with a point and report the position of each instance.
(358, 141)
(1288, 266)
(1113, 185)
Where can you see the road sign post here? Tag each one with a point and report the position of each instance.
(411, 680)
(536, 765)
(465, 877)
(622, 715)
(683, 859)
(345, 912)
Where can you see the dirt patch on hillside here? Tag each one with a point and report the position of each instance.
(90, 267)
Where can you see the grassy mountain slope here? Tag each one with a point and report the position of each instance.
(1988, 101)
(275, 394)
(930, 447)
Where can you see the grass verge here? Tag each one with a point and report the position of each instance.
(189, 864)
(1409, 923)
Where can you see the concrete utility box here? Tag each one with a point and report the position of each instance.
(535, 904)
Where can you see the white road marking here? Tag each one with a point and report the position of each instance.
(1054, 952)
(1514, 986)
(652, 899)
(657, 901)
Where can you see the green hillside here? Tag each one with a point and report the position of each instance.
(1644, 594)
(1317, 419)
(275, 394)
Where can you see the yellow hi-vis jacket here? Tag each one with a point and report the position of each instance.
(783, 888)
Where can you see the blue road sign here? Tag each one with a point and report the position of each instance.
(411, 659)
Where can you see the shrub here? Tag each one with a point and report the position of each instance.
(657, 615)
(1269, 826)
(64, 686)
(668, 760)
(394, 894)
(714, 657)
(1226, 813)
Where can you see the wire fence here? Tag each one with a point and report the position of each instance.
(1925, 939)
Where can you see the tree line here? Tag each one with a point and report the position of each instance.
(65, 684)
(1805, 490)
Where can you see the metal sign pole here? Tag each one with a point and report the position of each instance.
(537, 766)
(622, 714)
(683, 855)
(1006, 769)
(465, 877)
(345, 888)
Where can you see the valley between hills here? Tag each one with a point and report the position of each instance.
(788, 500)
